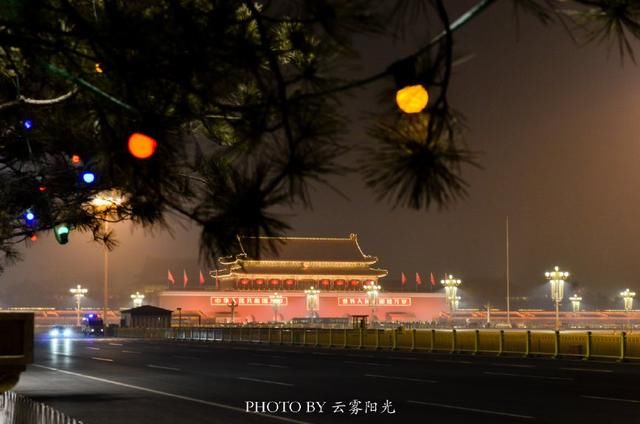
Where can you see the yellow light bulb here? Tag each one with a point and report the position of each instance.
(412, 99)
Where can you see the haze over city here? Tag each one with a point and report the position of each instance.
(556, 125)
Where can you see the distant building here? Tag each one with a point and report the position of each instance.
(245, 289)
(146, 316)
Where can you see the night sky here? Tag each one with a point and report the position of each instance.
(557, 125)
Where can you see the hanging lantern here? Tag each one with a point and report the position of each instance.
(142, 146)
(75, 159)
(412, 98)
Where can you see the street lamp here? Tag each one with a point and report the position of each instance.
(627, 295)
(232, 305)
(78, 292)
(456, 303)
(313, 301)
(137, 299)
(276, 301)
(105, 203)
(575, 303)
(557, 278)
(451, 291)
(373, 291)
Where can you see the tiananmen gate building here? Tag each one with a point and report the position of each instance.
(279, 285)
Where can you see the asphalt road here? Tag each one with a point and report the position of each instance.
(157, 382)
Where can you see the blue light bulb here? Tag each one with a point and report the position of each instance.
(30, 216)
(88, 177)
(27, 124)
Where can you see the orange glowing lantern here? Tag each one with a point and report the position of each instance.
(142, 146)
(412, 99)
(99, 69)
(75, 159)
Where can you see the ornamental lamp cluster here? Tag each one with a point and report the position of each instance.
(451, 292)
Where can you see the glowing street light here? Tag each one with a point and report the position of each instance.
(137, 299)
(373, 291)
(451, 291)
(313, 301)
(575, 303)
(78, 292)
(276, 301)
(105, 203)
(628, 296)
(557, 279)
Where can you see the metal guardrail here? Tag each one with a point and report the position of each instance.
(583, 344)
(16, 409)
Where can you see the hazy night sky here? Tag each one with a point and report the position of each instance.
(558, 126)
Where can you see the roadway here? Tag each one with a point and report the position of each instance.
(155, 381)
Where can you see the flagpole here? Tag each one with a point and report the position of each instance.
(508, 276)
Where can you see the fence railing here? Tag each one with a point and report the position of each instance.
(584, 344)
(16, 409)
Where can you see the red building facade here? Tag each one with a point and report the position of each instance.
(278, 285)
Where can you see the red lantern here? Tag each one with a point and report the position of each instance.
(275, 282)
(325, 282)
(260, 281)
(339, 282)
(355, 282)
(290, 282)
(244, 281)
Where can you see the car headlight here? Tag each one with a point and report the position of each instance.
(54, 333)
(66, 332)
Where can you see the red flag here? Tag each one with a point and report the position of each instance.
(403, 278)
(185, 279)
(201, 278)
(433, 280)
(418, 279)
(170, 277)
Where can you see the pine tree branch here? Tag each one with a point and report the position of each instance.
(39, 102)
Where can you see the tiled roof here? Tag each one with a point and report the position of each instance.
(304, 249)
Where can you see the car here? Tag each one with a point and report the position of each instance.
(59, 331)
(92, 325)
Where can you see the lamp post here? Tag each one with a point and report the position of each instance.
(451, 291)
(232, 305)
(105, 203)
(373, 291)
(137, 299)
(575, 303)
(276, 301)
(313, 300)
(557, 279)
(456, 303)
(179, 317)
(627, 295)
(78, 292)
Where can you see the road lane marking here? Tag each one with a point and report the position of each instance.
(115, 344)
(102, 359)
(173, 395)
(257, 380)
(373, 364)
(497, 364)
(586, 369)
(93, 348)
(259, 364)
(450, 361)
(540, 377)
(130, 351)
(393, 377)
(481, 411)
(160, 367)
(612, 399)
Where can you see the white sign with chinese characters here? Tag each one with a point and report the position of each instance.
(245, 300)
(382, 301)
